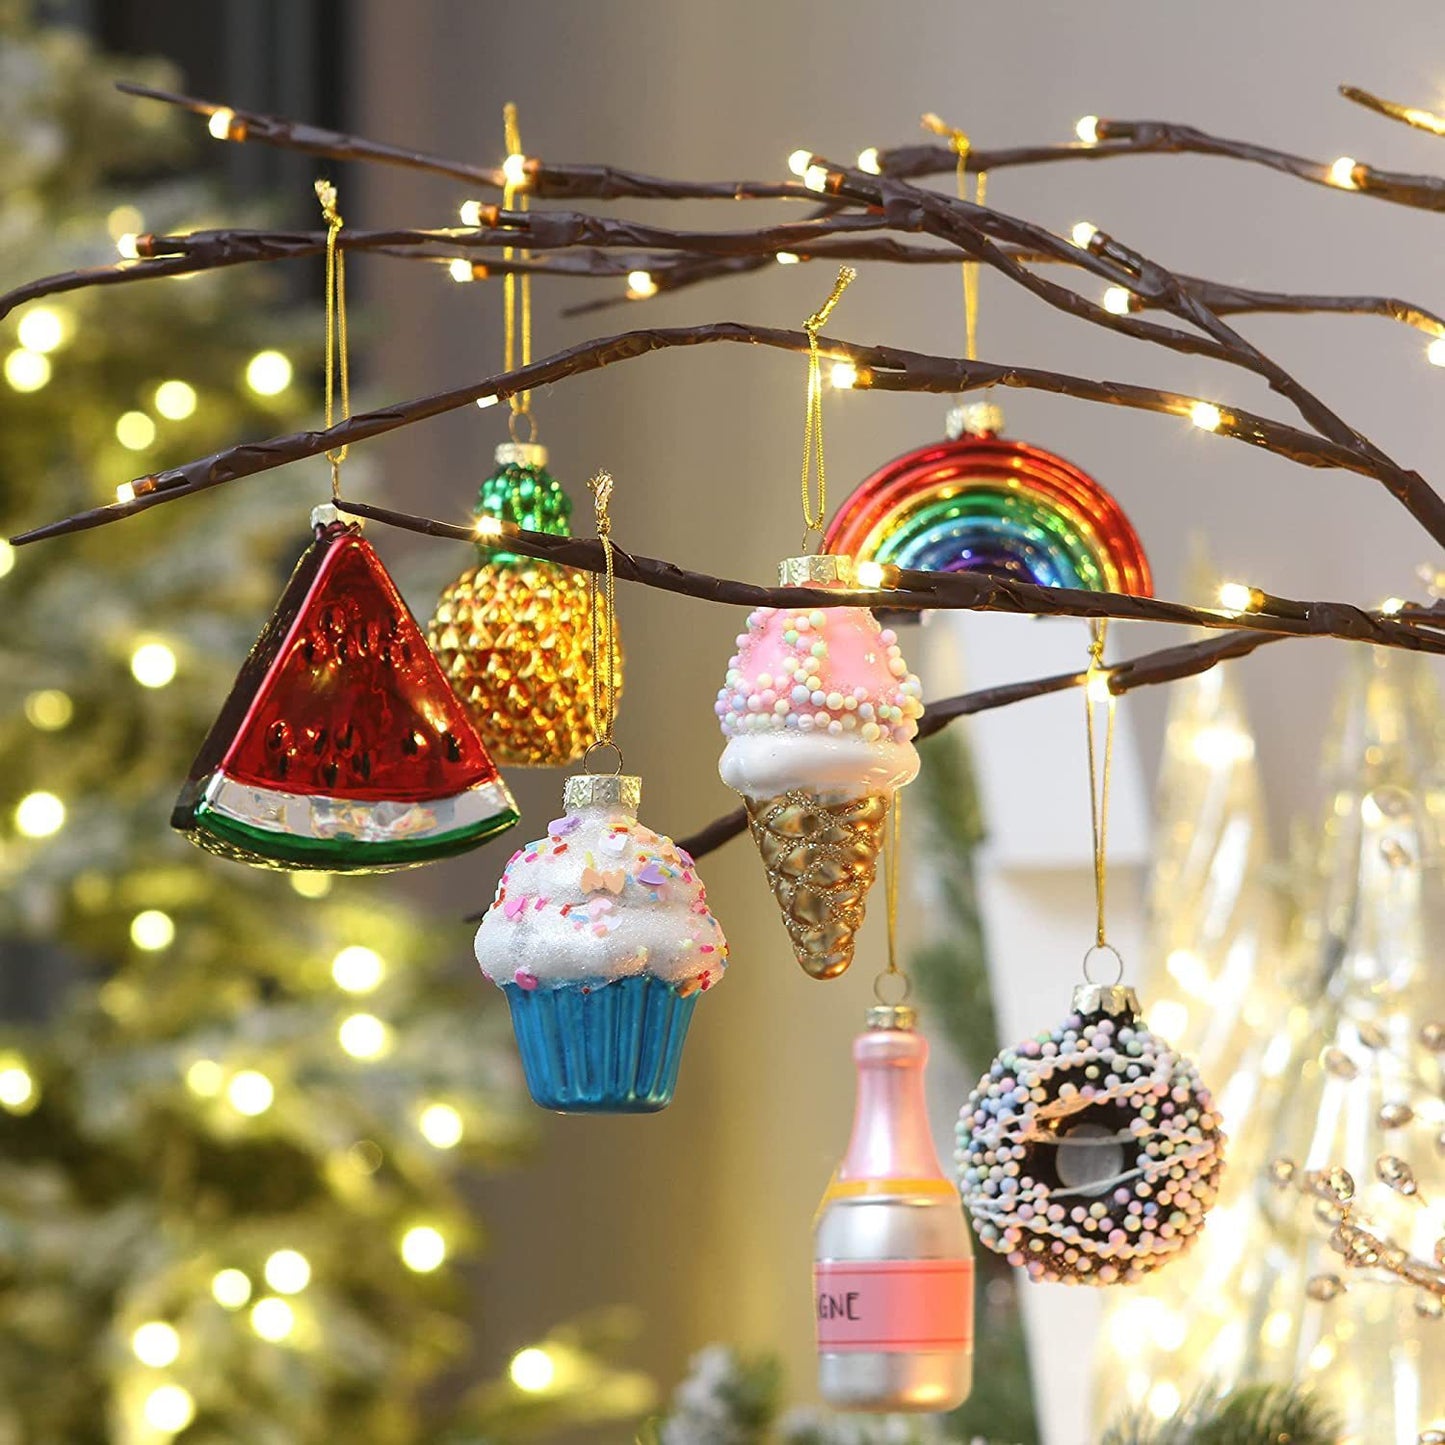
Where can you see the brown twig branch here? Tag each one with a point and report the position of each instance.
(1167, 665)
(881, 368)
(941, 591)
(1161, 137)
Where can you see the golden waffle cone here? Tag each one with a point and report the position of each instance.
(821, 860)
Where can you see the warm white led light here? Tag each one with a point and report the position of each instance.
(1087, 129)
(175, 400)
(488, 527)
(17, 1088)
(41, 329)
(231, 1289)
(169, 1408)
(532, 1370)
(135, 431)
(843, 376)
(288, 1271)
(868, 161)
(26, 370)
(470, 213)
(640, 285)
(268, 373)
(423, 1249)
(788, 258)
(125, 493)
(1235, 596)
(869, 574)
(152, 930)
(39, 815)
(220, 123)
(816, 178)
(1435, 352)
(1391, 605)
(364, 1036)
(1082, 233)
(156, 1344)
(205, 1078)
(49, 709)
(1097, 687)
(1118, 300)
(153, 664)
(7, 558)
(127, 246)
(1342, 173)
(799, 162)
(251, 1093)
(1206, 416)
(441, 1126)
(514, 170)
(357, 969)
(272, 1318)
(1164, 1400)
(460, 270)
(483, 402)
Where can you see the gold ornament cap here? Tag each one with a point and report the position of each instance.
(892, 1016)
(602, 790)
(820, 570)
(522, 454)
(974, 419)
(1113, 999)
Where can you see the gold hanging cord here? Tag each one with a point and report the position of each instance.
(888, 980)
(962, 145)
(814, 519)
(1097, 690)
(603, 610)
(337, 350)
(516, 288)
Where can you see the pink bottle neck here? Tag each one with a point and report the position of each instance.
(891, 1138)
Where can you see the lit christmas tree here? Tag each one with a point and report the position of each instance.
(233, 1105)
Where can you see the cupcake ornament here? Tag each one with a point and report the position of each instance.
(1091, 1153)
(601, 938)
(600, 934)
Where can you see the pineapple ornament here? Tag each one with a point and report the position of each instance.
(513, 634)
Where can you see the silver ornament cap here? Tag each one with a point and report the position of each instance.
(522, 454)
(974, 419)
(1115, 1000)
(602, 790)
(819, 570)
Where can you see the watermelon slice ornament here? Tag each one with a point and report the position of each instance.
(342, 747)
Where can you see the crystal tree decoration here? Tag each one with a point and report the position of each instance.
(1359, 1160)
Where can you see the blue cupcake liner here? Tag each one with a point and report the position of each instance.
(601, 1047)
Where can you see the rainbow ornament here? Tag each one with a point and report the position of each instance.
(983, 504)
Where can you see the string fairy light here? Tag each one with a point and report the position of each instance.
(250, 1093)
(357, 969)
(39, 815)
(532, 1370)
(175, 400)
(441, 1126)
(287, 1271)
(26, 370)
(1205, 415)
(156, 1344)
(231, 1289)
(423, 1249)
(153, 664)
(268, 373)
(1086, 128)
(152, 930)
(273, 1319)
(364, 1036)
(18, 1091)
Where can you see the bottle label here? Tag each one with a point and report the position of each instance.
(894, 1305)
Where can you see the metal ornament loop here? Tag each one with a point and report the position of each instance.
(881, 993)
(1118, 964)
(513, 418)
(605, 743)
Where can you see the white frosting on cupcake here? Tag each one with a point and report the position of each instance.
(832, 769)
(601, 897)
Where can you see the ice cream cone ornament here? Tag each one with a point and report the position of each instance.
(819, 711)
(600, 934)
(1090, 1153)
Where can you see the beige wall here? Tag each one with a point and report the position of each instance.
(702, 1214)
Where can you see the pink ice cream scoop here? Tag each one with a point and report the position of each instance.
(820, 711)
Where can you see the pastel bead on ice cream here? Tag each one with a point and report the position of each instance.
(820, 711)
(601, 938)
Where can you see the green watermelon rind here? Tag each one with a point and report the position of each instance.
(222, 832)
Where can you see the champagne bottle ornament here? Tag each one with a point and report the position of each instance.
(341, 747)
(600, 934)
(979, 503)
(819, 711)
(892, 1259)
(511, 633)
(1090, 1153)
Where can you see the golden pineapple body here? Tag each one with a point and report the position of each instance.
(515, 640)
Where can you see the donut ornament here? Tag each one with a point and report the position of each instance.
(1091, 1153)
